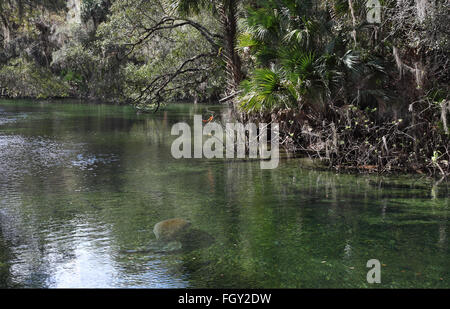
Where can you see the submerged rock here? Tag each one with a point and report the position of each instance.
(174, 236)
(171, 229)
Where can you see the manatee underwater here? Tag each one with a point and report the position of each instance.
(176, 235)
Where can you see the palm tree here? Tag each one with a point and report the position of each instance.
(301, 59)
(285, 38)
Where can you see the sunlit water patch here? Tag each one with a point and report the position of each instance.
(91, 161)
(8, 117)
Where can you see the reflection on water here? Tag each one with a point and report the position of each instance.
(81, 187)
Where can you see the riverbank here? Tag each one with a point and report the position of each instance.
(349, 138)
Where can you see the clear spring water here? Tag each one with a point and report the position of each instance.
(80, 184)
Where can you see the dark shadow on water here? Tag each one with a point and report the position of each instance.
(195, 239)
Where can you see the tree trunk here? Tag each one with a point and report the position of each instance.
(228, 18)
(352, 12)
(4, 26)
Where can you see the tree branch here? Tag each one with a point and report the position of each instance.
(169, 22)
(159, 84)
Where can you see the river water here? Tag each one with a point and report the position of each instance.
(82, 185)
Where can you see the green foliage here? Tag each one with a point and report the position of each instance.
(313, 55)
(191, 6)
(153, 58)
(264, 89)
(296, 53)
(21, 78)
